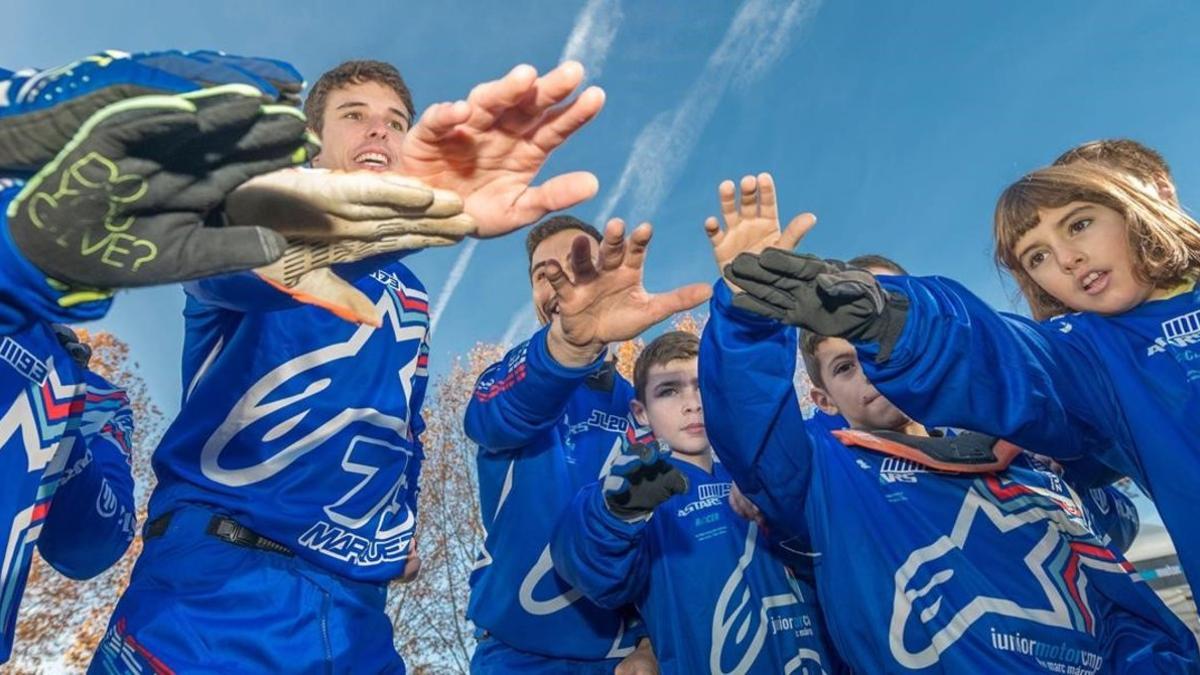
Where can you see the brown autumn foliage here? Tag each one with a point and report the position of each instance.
(62, 620)
(429, 614)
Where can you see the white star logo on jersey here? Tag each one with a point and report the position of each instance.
(926, 578)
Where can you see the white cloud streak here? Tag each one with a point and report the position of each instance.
(593, 34)
(452, 281)
(759, 34)
(523, 321)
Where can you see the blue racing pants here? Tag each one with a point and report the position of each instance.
(198, 603)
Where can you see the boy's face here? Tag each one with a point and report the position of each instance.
(672, 409)
(555, 247)
(1079, 254)
(364, 126)
(848, 391)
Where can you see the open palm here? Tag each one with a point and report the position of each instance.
(606, 301)
(490, 147)
(751, 222)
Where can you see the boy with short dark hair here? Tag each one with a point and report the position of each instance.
(658, 532)
(545, 418)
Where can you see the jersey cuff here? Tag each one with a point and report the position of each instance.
(540, 360)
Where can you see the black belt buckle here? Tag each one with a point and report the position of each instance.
(233, 532)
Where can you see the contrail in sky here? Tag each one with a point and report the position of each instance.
(757, 37)
(456, 275)
(593, 34)
(522, 322)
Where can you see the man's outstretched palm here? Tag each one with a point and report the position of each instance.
(489, 148)
(751, 222)
(605, 301)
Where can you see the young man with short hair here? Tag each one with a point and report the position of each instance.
(934, 554)
(287, 485)
(546, 418)
(658, 532)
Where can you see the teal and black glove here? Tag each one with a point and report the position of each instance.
(130, 200)
(43, 109)
(826, 297)
(640, 479)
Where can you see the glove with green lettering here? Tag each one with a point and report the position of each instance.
(640, 479)
(135, 197)
(826, 297)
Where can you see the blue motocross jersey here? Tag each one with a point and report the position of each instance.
(544, 431)
(300, 426)
(1125, 388)
(93, 518)
(714, 595)
(42, 394)
(920, 571)
(42, 397)
(26, 295)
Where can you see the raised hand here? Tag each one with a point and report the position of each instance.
(640, 479)
(127, 202)
(605, 301)
(332, 217)
(44, 109)
(826, 297)
(490, 147)
(320, 204)
(751, 222)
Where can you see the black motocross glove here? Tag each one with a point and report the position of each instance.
(127, 201)
(826, 297)
(44, 109)
(80, 352)
(640, 480)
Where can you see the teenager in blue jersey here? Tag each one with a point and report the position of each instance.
(547, 418)
(82, 516)
(287, 485)
(658, 532)
(64, 433)
(1116, 378)
(920, 569)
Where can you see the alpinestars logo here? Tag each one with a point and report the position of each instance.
(372, 522)
(899, 470)
(930, 612)
(1182, 331)
(711, 494)
(740, 626)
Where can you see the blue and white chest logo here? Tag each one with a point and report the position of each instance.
(708, 495)
(1183, 331)
(369, 521)
(740, 625)
(931, 611)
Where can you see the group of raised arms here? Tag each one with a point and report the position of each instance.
(949, 506)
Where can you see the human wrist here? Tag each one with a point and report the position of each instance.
(567, 354)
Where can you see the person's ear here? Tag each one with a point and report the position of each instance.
(312, 161)
(639, 412)
(1165, 188)
(824, 402)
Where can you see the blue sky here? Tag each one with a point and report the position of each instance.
(898, 123)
